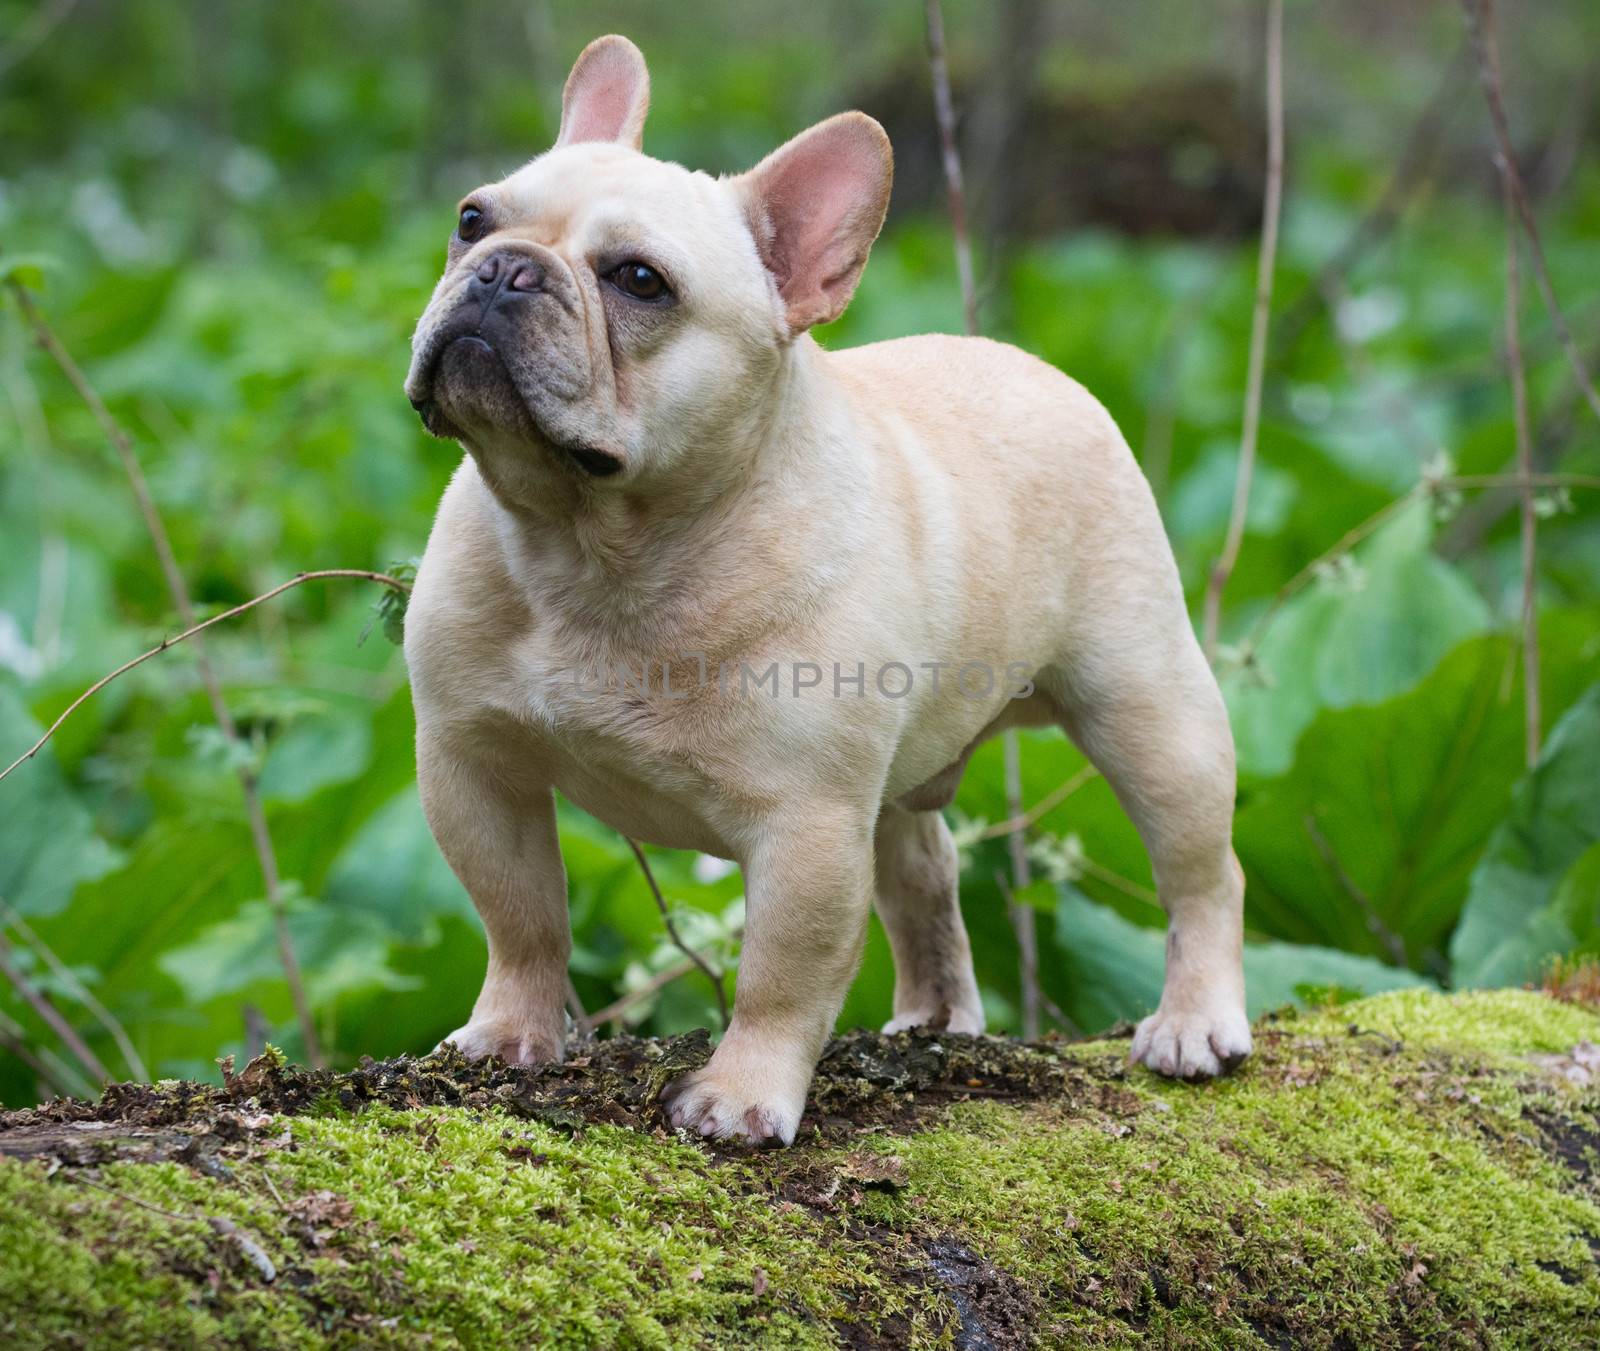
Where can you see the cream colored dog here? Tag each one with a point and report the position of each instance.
(703, 578)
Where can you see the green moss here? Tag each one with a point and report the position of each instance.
(1342, 1190)
(1508, 1021)
(474, 1228)
(1415, 1182)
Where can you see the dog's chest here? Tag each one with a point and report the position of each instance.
(623, 737)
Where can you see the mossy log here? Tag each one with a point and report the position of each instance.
(1410, 1170)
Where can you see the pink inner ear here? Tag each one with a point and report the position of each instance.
(606, 95)
(821, 201)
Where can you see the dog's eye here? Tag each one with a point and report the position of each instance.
(470, 226)
(640, 281)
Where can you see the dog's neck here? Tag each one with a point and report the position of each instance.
(696, 564)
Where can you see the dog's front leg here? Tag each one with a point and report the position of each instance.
(500, 839)
(808, 885)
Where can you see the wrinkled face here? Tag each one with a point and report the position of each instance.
(602, 315)
(606, 320)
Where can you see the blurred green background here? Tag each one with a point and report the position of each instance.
(236, 211)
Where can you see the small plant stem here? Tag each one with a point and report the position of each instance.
(677, 938)
(1266, 266)
(299, 579)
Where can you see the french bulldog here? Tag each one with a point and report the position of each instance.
(728, 591)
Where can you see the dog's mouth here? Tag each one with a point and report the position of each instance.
(462, 381)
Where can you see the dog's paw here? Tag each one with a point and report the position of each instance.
(515, 1046)
(703, 1104)
(939, 1018)
(1192, 1045)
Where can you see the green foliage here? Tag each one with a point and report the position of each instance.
(243, 209)
(1114, 966)
(1535, 893)
(1361, 633)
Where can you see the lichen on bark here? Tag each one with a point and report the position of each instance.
(1413, 1169)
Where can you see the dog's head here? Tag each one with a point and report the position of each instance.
(606, 318)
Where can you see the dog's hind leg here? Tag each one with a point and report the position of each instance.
(917, 873)
(1147, 712)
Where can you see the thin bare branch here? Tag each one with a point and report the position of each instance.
(614, 1010)
(1529, 523)
(677, 938)
(52, 1070)
(944, 109)
(1517, 480)
(1360, 531)
(299, 579)
(1047, 1005)
(80, 991)
(580, 1019)
(1043, 807)
(1266, 268)
(1343, 545)
(1481, 25)
(1023, 921)
(36, 999)
(255, 812)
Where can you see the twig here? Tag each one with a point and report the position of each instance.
(1117, 882)
(1023, 921)
(1529, 521)
(297, 580)
(580, 1019)
(614, 1010)
(1375, 926)
(1047, 1005)
(677, 938)
(1043, 807)
(40, 1004)
(1481, 25)
(1353, 536)
(51, 1069)
(944, 108)
(1265, 269)
(1559, 416)
(80, 991)
(78, 1177)
(255, 813)
(1517, 480)
(1343, 545)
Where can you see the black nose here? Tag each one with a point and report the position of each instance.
(505, 271)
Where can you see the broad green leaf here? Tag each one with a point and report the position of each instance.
(1115, 967)
(339, 952)
(48, 843)
(1537, 889)
(314, 752)
(1357, 638)
(1376, 830)
(392, 871)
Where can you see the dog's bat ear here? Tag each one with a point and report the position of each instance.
(815, 205)
(607, 94)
